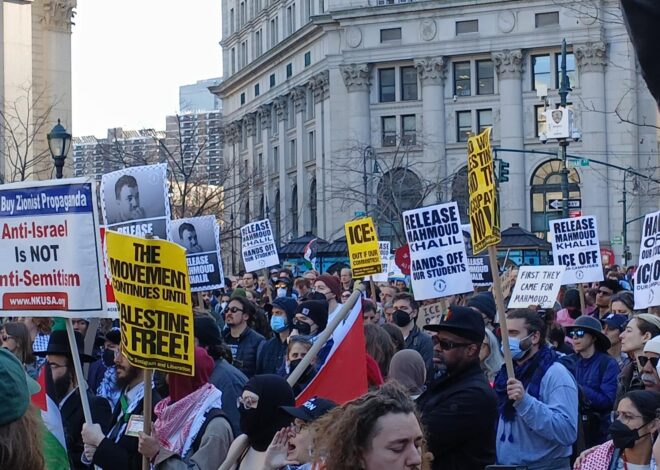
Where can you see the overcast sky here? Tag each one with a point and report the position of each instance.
(130, 57)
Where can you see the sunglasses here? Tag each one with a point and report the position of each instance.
(643, 360)
(235, 309)
(449, 345)
(577, 334)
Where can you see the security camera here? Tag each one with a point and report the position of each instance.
(576, 136)
(543, 138)
(455, 98)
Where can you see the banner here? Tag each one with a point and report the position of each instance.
(384, 249)
(150, 281)
(363, 249)
(200, 236)
(484, 212)
(438, 262)
(479, 267)
(575, 245)
(647, 276)
(110, 305)
(135, 201)
(431, 312)
(258, 246)
(50, 245)
(536, 285)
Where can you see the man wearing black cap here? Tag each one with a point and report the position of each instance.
(67, 395)
(459, 409)
(607, 288)
(406, 311)
(596, 373)
(270, 355)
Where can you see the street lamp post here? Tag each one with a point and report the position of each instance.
(564, 88)
(368, 150)
(59, 142)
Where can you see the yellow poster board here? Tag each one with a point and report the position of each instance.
(150, 281)
(363, 249)
(484, 211)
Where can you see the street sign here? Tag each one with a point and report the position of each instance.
(357, 214)
(575, 162)
(617, 240)
(557, 204)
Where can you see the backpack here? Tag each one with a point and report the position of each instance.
(209, 416)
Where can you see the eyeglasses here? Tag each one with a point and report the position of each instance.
(6, 338)
(625, 417)
(604, 292)
(449, 345)
(577, 334)
(248, 402)
(298, 426)
(643, 360)
(234, 309)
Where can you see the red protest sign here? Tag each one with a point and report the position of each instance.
(402, 258)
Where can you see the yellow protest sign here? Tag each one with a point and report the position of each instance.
(484, 211)
(152, 292)
(363, 249)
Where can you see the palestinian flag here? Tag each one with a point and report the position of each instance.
(54, 445)
(309, 253)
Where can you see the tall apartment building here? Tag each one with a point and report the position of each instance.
(320, 93)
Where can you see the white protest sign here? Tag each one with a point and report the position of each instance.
(200, 237)
(258, 246)
(135, 201)
(536, 285)
(480, 271)
(647, 276)
(438, 262)
(575, 245)
(50, 243)
(384, 248)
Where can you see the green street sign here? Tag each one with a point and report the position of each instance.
(617, 240)
(575, 162)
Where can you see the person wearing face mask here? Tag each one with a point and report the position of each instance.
(270, 354)
(103, 372)
(404, 317)
(330, 287)
(284, 288)
(311, 318)
(297, 349)
(539, 407)
(632, 432)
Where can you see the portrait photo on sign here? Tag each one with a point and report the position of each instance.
(196, 235)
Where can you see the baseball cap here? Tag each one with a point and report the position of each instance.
(13, 388)
(615, 321)
(310, 410)
(653, 345)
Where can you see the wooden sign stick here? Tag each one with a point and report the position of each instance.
(499, 301)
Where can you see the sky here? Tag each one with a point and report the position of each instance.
(129, 58)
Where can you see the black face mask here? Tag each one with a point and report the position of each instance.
(108, 358)
(303, 328)
(401, 318)
(309, 373)
(622, 436)
(249, 420)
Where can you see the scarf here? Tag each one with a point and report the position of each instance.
(530, 373)
(599, 459)
(177, 424)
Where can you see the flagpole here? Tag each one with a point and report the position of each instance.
(77, 367)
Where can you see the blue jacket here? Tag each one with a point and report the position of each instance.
(270, 355)
(244, 350)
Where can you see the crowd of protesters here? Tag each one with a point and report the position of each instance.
(585, 393)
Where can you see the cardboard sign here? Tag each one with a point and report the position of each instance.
(384, 248)
(258, 246)
(479, 267)
(536, 285)
(402, 259)
(135, 201)
(431, 312)
(575, 245)
(438, 262)
(647, 276)
(363, 249)
(50, 245)
(484, 212)
(152, 293)
(200, 237)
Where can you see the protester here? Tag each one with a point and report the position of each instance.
(648, 364)
(606, 289)
(387, 294)
(490, 356)
(270, 355)
(380, 347)
(623, 303)
(311, 319)
(81, 325)
(298, 348)
(460, 400)
(558, 339)
(302, 286)
(632, 435)
(190, 431)
(638, 332)
(21, 432)
(596, 374)
(251, 281)
(39, 329)
(407, 368)
(103, 373)
(240, 337)
(226, 378)
(377, 431)
(328, 286)
(284, 288)
(311, 274)
(406, 310)
(613, 326)
(539, 407)
(572, 309)
(292, 445)
(16, 339)
(395, 335)
(370, 313)
(262, 417)
(484, 303)
(345, 295)
(67, 394)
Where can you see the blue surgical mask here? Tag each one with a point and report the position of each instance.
(278, 324)
(514, 346)
(281, 291)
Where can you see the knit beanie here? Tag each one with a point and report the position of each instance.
(485, 303)
(333, 284)
(315, 310)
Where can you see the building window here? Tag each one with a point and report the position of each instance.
(256, 89)
(308, 58)
(547, 19)
(278, 217)
(290, 113)
(311, 146)
(388, 124)
(258, 50)
(259, 129)
(462, 79)
(464, 125)
(541, 71)
(466, 27)
(276, 159)
(292, 152)
(570, 69)
(539, 112)
(408, 84)
(409, 130)
(294, 211)
(242, 98)
(485, 77)
(273, 32)
(243, 14)
(390, 34)
(289, 19)
(232, 19)
(244, 54)
(289, 70)
(307, 13)
(271, 80)
(386, 83)
(233, 60)
(484, 119)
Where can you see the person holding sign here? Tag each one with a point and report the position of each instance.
(539, 407)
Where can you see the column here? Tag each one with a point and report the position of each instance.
(591, 59)
(252, 197)
(319, 86)
(431, 72)
(280, 104)
(263, 114)
(299, 94)
(513, 196)
(357, 78)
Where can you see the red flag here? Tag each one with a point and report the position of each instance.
(343, 377)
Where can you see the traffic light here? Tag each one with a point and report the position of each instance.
(504, 172)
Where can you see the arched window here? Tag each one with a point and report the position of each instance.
(313, 211)
(398, 190)
(278, 220)
(247, 212)
(546, 196)
(262, 203)
(460, 193)
(294, 212)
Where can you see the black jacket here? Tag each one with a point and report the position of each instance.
(460, 414)
(423, 344)
(73, 420)
(244, 350)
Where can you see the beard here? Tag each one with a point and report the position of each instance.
(61, 386)
(130, 374)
